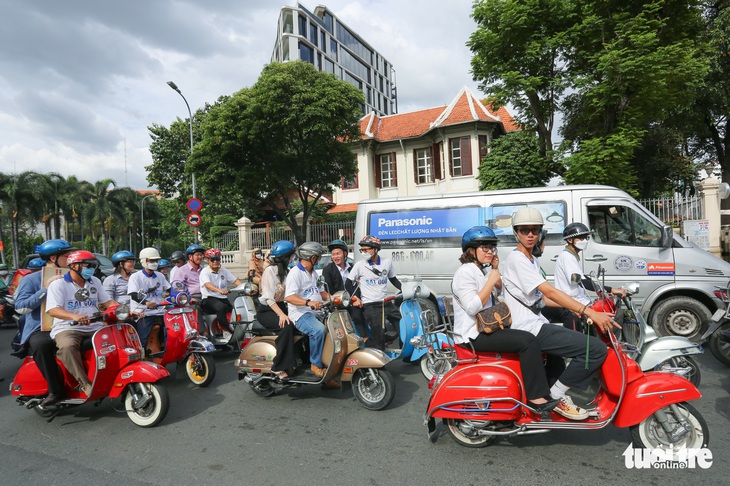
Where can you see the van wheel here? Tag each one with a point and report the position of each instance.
(680, 316)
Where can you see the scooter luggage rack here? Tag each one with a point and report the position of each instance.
(433, 326)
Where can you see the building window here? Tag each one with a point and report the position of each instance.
(423, 165)
(351, 183)
(288, 23)
(302, 25)
(306, 53)
(483, 148)
(333, 49)
(460, 163)
(385, 171)
(313, 34)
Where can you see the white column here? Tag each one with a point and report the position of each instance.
(711, 210)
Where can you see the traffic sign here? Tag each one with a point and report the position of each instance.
(194, 204)
(194, 219)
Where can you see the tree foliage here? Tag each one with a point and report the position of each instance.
(617, 72)
(282, 140)
(513, 161)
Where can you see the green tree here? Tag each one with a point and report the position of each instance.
(283, 140)
(519, 51)
(19, 196)
(513, 161)
(106, 206)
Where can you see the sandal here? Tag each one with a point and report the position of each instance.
(281, 375)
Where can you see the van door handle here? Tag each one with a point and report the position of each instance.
(554, 259)
(597, 258)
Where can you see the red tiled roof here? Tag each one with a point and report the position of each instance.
(466, 107)
(343, 208)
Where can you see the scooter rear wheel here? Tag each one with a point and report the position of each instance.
(466, 432)
(719, 348)
(154, 411)
(200, 369)
(650, 433)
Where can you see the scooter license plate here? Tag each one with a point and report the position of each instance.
(719, 314)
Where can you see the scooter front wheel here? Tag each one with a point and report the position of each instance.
(430, 366)
(466, 432)
(200, 369)
(651, 434)
(146, 403)
(374, 388)
(720, 349)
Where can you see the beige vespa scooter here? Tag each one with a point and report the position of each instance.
(343, 356)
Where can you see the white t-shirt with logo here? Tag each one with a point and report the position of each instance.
(219, 280)
(62, 294)
(303, 284)
(521, 277)
(372, 278)
(153, 285)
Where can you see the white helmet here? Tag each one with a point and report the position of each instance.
(147, 254)
(525, 216)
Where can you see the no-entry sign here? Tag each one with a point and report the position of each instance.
(194, 219)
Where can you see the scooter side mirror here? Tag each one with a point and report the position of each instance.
(322, 284)
(576, 278)
(632, 288)
(82, 295)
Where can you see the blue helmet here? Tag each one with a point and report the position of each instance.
(54, 247)
(36, 263)
(122, 256)
(163, 263)
(477, 235)
(281, 250)
(194, 249)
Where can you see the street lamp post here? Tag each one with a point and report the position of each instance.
(142, 215)
(190, 113)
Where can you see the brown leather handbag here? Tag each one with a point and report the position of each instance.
(491, 319)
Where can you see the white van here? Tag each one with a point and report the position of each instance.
(422, 235)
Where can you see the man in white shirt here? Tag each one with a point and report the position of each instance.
(71, 321)
(214, 280)
(147, 289)
(304, 298)
(372, 276)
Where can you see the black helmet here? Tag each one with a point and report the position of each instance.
(177, 256)
(371, 241)
(573, 230)
(338, 244)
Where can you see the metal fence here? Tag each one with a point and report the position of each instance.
(228, 241)
(322, 233)
(674, 210)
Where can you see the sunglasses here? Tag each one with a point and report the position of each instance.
(214, 259)
(492, 248)
(527, 231)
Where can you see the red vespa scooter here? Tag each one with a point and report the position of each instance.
(483, 398)
(183, 343)
(114, 367)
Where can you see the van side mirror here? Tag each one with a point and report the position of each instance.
(667, 236)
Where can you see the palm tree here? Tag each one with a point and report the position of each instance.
(19, 195)
(105, 205)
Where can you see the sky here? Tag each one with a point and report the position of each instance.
(81, 80)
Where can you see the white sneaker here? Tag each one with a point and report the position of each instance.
(569, 410)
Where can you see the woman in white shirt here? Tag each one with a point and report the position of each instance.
(474, 285)
(273, 311)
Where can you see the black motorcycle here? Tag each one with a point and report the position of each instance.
(717, 336)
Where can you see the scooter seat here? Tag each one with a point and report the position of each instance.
(464, 352)
(257, 328)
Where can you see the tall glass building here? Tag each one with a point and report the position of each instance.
(322, 39)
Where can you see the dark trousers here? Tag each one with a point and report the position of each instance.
(558, 314)
(528, 347)
(144, 329)
(43, 349)
(270, 319)
(358, 318)
(376, 313)
(219, 307)
(559, 341)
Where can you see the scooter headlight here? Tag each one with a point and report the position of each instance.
(182, 299)
(122, 312)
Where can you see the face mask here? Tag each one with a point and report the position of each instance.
(581, 244)
(87, 273)
(152, 266)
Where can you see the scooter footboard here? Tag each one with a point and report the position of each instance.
(138, 372)
(363, 358)
(650, 393)
(478, 392)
